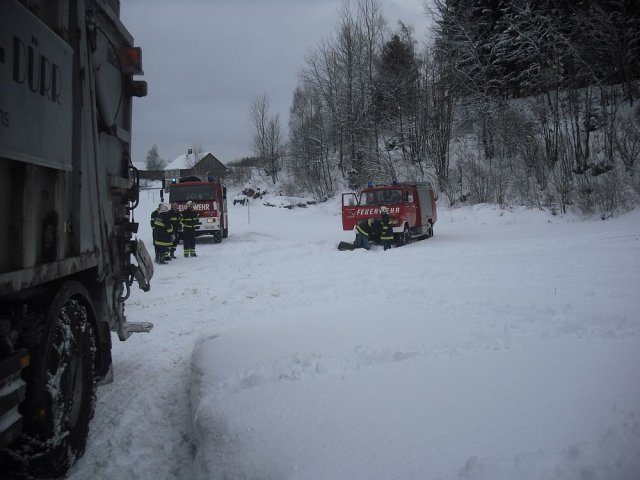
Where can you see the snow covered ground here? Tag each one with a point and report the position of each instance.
(505, 347)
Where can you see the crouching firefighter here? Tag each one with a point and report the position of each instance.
(366, 231)
(163, 234)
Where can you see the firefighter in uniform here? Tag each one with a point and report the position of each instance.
(386, 234)
(366, 231)
(163, 233)
(174, 215)
(190, 222)
(154, 214)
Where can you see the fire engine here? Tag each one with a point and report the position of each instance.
(209, 199)
(412, 209)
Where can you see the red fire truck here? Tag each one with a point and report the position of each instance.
(209, 199)
(412, 209)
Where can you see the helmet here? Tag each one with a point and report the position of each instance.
(189, 204)
(384, 209)
(163, 207)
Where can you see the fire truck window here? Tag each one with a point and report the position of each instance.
(391, 196)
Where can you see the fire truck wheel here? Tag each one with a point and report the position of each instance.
(225, 233)
(61, 389)
(217, 236)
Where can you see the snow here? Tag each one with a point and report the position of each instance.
(185, 161)
(505, 347)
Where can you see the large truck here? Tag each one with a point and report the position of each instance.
(411, 207)
(209, 197)
(68, 248)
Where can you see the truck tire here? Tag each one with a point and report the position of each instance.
(217, 236)
(60, 388)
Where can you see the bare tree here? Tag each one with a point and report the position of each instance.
(436, 117)
(268, 143)
(154, 163)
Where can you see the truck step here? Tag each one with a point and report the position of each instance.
(136, 327)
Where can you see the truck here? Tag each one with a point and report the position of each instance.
(209, 197)
(411, 207)
(69, 252)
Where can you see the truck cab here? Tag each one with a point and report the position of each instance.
(412, 209)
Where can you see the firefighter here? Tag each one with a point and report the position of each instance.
(386, 233)
(154, 214)
(366, 231)
(163, 233)
(190, 222)
(174, 215)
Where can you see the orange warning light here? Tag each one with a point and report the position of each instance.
(131, 59)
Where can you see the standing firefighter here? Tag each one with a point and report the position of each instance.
(163, 234)
(386, 234)
(154, 215)
(174, 216)
(190, 222)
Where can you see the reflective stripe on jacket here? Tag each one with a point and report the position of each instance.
(190, 219)
(387, 229)
(365, 227)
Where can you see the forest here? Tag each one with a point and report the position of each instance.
(510, 102)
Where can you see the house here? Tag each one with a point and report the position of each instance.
(201, 164)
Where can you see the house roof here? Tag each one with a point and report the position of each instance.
(185, 161)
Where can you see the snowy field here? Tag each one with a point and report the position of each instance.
(505, 347)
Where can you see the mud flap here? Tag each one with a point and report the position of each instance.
(345, 246)
(144, 271)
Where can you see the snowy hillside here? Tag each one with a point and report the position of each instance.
(506, 347)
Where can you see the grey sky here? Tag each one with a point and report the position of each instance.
(206, 61)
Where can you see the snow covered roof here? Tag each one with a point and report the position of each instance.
(185, 161)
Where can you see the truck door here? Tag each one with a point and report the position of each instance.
(410, 198)
(349, 207)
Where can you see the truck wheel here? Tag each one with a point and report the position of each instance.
(217, 236)
(225, 233)
(61, 388)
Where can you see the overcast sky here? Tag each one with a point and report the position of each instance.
(205, 61)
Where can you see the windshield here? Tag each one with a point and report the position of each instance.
(381, 197)
(180, 193)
